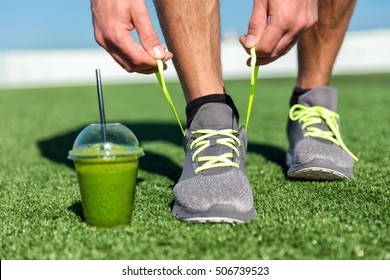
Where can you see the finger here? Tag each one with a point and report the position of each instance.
(242, 41)
(123, 63)
(147, 35)
(275, 55)
(125, 47)
(265, 48)
(284, 29)
(271, 37)
(285, 44)
(168, 54)
(133, 58)
(257, 24)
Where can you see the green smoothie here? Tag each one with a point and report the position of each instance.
(107, 173)
(107, 191)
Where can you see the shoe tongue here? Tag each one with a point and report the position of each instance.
(320, 96)
(214, 116)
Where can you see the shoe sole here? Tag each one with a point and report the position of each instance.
(319, 169)
(215, 214)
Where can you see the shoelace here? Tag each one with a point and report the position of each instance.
(202, 142)
(314, 115)
(161, 80)
(254, 74)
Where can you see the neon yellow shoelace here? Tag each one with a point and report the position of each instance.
(254, 74)
(161, 80)
(203, 142)
(314, 115)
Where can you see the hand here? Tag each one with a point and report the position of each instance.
(276, 25)
(113, 20)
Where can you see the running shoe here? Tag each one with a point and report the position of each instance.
(214, 186)
(317, 150)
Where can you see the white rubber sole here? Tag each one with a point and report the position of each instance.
(319, 169)
(215, 214)
(318, 173)
(214, 220)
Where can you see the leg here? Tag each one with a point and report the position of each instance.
(319, 46)
(213, 186)
(192, 32)
(317, 150)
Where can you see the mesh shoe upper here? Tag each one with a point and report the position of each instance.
(223, 185)
(306, 149)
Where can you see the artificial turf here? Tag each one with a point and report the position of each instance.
(40, 207)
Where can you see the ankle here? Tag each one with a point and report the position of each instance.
(297, 92)
(194, 105)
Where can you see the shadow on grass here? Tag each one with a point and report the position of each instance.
(271, 153)
(77, 209)
(56, 148)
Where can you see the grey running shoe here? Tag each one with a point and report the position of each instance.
(213, 186)
(317, 151)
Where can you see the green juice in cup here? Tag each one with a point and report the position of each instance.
(107, 190)
(107, 174)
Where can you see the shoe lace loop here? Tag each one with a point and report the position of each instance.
(204, 141)
(314, 115)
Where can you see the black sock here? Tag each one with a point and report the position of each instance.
(194, 105)
(297, 92)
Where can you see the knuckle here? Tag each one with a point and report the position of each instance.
(305, 23)
(287, 22)
(254, 24)
(295, 23)
(149, 36)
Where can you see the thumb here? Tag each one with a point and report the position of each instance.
(257, 24)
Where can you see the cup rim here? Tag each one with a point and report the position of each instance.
(130, 154)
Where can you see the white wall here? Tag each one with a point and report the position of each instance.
(362, 52)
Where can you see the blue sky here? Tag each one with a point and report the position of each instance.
(43, 24)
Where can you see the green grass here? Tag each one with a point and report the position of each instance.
(40, 203)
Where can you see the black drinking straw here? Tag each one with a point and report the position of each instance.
(101, 106)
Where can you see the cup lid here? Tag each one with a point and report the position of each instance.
(120, 142)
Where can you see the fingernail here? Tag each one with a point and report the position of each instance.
(158, 52)
(250, 41)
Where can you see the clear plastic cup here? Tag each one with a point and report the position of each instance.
(107, 173)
